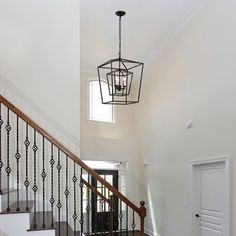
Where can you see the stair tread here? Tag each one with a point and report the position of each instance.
(63, 230)
(123, 233)
(48, 215)
(22, 205)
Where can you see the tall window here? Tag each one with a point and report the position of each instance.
(97, 110)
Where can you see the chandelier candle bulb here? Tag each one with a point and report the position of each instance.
(117, 80)
(124, 81)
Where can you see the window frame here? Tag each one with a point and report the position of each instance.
(88, 105)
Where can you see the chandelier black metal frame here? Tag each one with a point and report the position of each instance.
(122, 76)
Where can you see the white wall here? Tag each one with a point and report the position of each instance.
(39, 60)
(40, 67)
(195, 79)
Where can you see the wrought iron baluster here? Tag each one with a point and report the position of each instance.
(75, 216)
(133, 223)
(102, 208)
(81, 202)
(1, 163)
(127, 218)
(115, 214)
(17, 156)
(27, 183)
(35, 187)
(52, 200)
(101, 219)
(67, 195)
(111, 208)
(96, 212)
(44, 175)
(8, 169)
(94, 205)
(121, 216)
(105, 195)
(88, 208)
(106, 206)
(59, 205)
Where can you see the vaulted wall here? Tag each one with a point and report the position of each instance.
(40, 63)
(194, 79)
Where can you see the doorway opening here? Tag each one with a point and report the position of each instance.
(116, 174)
(101, 212)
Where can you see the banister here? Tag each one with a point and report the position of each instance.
(95, 191)
(70, 154)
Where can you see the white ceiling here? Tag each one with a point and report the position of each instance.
(147, 26)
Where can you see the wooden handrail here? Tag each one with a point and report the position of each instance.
(95, 191)
(71, 155)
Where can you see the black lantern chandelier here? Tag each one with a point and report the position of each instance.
(122, 76)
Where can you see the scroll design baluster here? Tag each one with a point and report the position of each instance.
(8, 168)
(67, 195)
(17, 156)
(121, 216)
(88, 207)
(59, 205)
(81, 201)
(35, 187)
(102, 207)
(74, 216)
(127, 218)
(111, 209)
(52, 200)
(27, 183)
(133, 225)
(44, 175)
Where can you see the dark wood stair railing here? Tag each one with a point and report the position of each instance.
(60, 156)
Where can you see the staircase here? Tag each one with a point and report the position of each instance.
(45, 189)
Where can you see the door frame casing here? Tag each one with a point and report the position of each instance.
(212, 160)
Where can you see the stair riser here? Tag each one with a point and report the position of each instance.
(12, 223)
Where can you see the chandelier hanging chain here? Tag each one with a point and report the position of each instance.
(120, 37)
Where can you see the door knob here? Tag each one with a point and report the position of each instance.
(197, 215)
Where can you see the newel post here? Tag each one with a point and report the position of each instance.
(142, 215)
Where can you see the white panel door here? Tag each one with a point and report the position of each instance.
(210, 199)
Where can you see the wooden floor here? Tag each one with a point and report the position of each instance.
(65, 230)
(124, 233)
